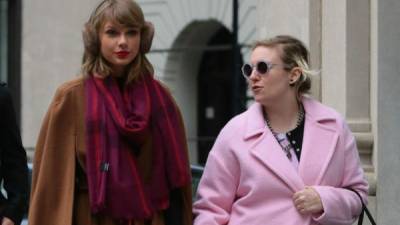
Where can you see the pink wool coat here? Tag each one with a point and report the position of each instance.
(248, 180)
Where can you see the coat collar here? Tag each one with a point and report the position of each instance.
(319, 143)
(255, 121)
(314, 111)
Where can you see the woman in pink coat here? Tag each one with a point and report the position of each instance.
(287, 160)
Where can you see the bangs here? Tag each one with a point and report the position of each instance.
(128, 14)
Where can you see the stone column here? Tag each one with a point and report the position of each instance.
(388, 108)
(345, 64)
(346, 76)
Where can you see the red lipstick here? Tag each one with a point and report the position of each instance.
(122, 54)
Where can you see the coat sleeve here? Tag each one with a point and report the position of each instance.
(13, 165)
(342, 206)
(217, 188)
(54, 165)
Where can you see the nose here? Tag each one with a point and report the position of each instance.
(122, 40)
(254, 75)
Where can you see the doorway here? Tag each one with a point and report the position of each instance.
(10, 49)
(215, 92)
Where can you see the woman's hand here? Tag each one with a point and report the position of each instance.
(308, 201)
(7, 221)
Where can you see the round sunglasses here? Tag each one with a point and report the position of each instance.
(261, 67)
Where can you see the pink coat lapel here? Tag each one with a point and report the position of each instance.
(319, 142)
(267, 150)
(318, 147)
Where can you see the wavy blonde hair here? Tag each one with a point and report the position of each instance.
(293, 54)
(127, 13)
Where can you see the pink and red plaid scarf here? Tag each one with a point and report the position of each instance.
(117, 124)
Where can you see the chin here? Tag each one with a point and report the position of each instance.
(259, 99)
(265, 100)
(123, 62)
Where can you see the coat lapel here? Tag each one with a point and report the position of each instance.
(317, 150)
(267, 150)
(319, 143)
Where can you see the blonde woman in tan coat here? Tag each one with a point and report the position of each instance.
(112, 148)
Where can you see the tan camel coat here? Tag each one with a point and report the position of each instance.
(61, 144)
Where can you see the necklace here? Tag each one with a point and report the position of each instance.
(300, 117)
(281, 137)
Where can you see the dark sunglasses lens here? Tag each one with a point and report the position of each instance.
(262, 67)
(246, 70)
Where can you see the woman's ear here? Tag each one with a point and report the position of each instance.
(294, 75)
(147, 37)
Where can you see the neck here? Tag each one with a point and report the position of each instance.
(119, 72)
(282, 116)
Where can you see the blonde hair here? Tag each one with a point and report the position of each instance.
(293, 54)
(127, 13)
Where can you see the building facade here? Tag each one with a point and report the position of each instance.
(191, 54)
(354, 44)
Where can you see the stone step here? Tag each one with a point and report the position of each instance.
(365, 140)
(368, 168)
(371, 178)
(365, 156)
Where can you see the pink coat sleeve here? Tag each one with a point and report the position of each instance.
(217, 188)
(342, 206)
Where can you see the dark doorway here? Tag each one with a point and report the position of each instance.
(10, 48)
(14, 53)
(215, 98)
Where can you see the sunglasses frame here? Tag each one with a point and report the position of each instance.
(256, 66)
